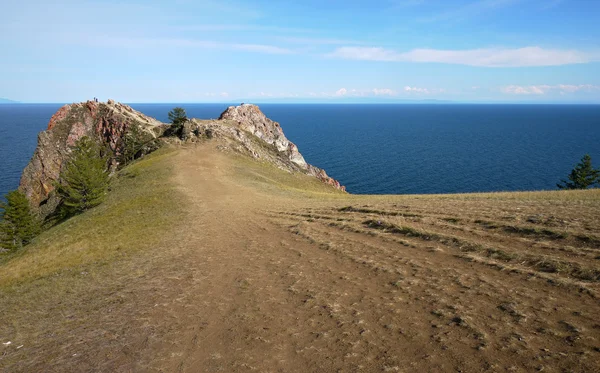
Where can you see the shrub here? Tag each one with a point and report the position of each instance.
(18, 224)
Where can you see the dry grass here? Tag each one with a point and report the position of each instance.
(80, 267)
(209, 261)
(141, 209)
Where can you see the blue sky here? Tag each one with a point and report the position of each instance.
(301, 51)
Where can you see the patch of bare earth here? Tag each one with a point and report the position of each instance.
(269, 280)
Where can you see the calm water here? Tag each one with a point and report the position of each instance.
(390, 148)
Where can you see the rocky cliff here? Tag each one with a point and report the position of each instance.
(242, 128)
(105, 122)
(250, 119)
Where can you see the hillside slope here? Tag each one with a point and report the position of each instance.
(205, 260)
(125, 134)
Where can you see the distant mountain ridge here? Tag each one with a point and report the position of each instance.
(7, 101)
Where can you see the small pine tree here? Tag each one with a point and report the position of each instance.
(136, 143)
(178, 117)
(582, 176)
(18, 225)
(84, 180)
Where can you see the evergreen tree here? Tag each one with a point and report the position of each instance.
(84, 180)
(136, 143)
(18, 225)
(582, 176)
(178, 117)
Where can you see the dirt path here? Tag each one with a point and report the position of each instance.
(262, 289)
(265, 274)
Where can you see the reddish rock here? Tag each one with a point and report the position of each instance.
(58, 116)
(109, 122)
(105, 123)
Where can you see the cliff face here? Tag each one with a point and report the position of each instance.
(107, 123)
(250, 119)
(241, 128)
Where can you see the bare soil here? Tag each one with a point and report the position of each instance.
(262, 277)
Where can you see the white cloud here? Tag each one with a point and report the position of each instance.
(486, 57)
(244, 27)
(259, 48)
(384, 92)
(545, 88)
(317, 41)
(409, 89)
(133, 43)
(423, 91)
(341, 92)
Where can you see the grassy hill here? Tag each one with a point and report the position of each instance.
(203, 260)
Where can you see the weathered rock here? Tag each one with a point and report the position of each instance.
(251, 119)
(245, 127)
(187, 130)
(106, 123)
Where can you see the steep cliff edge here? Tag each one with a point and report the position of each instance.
(242, 128)
(107, 123)
(250, 119)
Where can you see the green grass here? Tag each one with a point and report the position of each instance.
(140, 209)
(271, 178)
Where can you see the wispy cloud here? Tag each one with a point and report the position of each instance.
(384, 92)
(343, 92)
(132, 43)
(422, 91)
(245, 27)
(410, 89)
(317, 41)
(486, 57)
(543, 89)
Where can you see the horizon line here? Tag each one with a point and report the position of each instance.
(301, 102)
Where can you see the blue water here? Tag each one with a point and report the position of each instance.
(389, 148)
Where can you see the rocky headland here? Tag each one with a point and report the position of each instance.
(218, 253)
(243, 128)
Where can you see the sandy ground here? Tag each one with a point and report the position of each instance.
(271, 281)
(270, 290)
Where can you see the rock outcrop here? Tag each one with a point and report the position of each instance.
(107, 123)
(251, 119)
(244, 128)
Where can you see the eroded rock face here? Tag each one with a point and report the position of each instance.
(107, 123)
(249, 118)
(245, 127)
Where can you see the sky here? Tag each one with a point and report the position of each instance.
(522, 51)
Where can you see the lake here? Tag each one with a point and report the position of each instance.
(389, 148)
